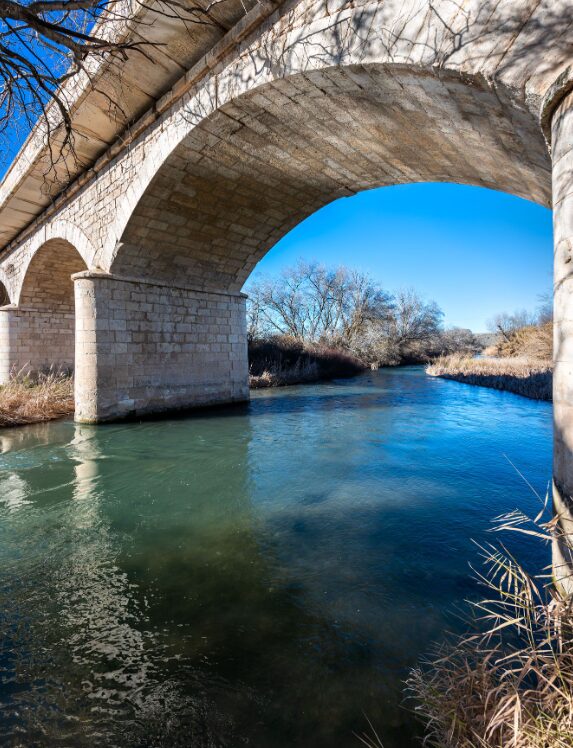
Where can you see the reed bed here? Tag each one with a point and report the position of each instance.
(522, 376)
(509, 682)
(26, 399)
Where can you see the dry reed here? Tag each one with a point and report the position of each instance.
(509, 683)
(277, 375)
(26, 399)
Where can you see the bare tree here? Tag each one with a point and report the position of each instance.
(312, 303)
(458, 340)
(545, 308)
(346, 309)
(414, 322)
(505, 324)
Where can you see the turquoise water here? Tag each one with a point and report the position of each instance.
(263, 575)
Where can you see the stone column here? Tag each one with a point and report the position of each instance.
(145, 347)
(562, 156)
(8, 341)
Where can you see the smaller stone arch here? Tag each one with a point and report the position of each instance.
(60, 233)
(46, 307)
(5, 289)
(47, 282)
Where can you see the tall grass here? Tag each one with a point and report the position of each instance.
(43, 397)
(509, 682)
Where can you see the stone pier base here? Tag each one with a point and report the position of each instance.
(145, 347)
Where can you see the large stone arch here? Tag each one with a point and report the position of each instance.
(503, 48)
(243, 177)
(213, 194)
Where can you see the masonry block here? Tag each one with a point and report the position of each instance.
(136, 365)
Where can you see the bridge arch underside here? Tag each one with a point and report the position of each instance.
(44, 317)
(244, 177)
(171, 328)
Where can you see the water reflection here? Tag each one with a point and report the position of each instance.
(262, 576)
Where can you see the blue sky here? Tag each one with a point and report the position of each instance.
(472, 250)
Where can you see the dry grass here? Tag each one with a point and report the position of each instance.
(509, 683)
(528, 377)
(32, 400)
(532, 342)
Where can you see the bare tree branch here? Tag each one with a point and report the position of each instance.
(44, 43)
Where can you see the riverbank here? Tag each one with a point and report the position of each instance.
(281, 362)
(532, 379)
(24, 401)
(277, 364)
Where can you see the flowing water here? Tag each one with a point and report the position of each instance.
(262, 575)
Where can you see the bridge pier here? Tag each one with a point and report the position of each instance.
(143, 346)
(562, 155)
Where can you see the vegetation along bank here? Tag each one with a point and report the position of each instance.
(520, 359)
(28, 399)
(313, 322)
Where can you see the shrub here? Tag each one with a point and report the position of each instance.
(284, 360)
(533, 342)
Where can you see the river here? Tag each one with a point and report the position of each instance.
(262, 575)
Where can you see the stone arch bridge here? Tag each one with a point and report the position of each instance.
(127, 257)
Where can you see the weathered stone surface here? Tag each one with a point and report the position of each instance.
(143, 347)
(563, 296)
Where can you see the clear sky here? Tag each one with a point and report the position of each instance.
(474, 251)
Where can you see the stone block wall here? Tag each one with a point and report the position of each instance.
(35, 340)
(145, 347)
